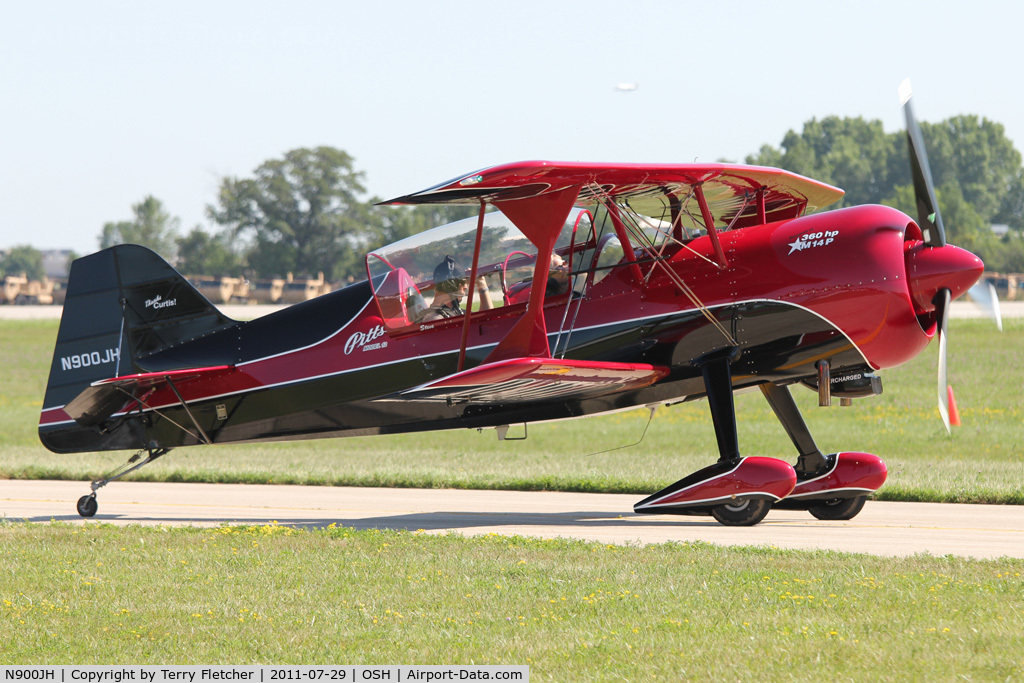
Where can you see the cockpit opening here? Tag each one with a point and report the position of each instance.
(425, 277)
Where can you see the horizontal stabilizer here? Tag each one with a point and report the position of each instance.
(519, 380)
(103, 398)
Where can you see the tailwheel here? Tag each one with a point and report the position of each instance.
(743, 513)
(87, 505)
(837, 508)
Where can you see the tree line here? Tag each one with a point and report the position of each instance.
(308, 213)
(304, 214)
(977, 172)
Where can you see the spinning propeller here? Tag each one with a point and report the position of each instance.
(928, 217)
(937, 272)
(984, 295)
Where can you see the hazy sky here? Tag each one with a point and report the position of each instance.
(103, 103)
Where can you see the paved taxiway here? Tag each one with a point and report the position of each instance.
(886, 529)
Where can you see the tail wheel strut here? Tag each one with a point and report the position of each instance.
(87, 505)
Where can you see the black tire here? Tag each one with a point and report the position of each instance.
(744, 513)
(87, 506)
(837, 508)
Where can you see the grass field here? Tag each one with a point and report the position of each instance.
(572, 611)
(92, 593)
(983, 461)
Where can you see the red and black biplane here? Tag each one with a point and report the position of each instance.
(591, 288)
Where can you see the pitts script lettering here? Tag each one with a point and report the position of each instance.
(160, 302)
(85, 360)
(364, 340)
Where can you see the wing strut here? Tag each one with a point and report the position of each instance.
(472, 287)
(709, 223)
(623, 232)
(540, 218)
(615, 211)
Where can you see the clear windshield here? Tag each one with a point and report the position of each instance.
(403, 273)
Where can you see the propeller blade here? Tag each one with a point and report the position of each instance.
(983, 293)
(942, 300)
(928, 217)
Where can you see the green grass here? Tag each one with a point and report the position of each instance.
(983, 461)
(99, 594)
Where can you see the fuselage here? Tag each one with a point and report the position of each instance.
(829, 286)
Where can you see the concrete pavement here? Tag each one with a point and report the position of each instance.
(883, 528)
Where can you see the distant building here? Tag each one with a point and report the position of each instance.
(1000, 229)
(57, 263)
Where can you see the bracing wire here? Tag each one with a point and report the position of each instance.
(650, 418)
(632, 225)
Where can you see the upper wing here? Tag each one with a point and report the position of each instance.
(519, 380)
(646, 187)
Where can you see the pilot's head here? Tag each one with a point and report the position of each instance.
(448, 277)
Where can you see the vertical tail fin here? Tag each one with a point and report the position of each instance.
(123, 304)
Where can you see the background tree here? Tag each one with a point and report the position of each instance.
(200, 253)
(302, 213)
(972, 232)
(389, 224)
(151, 226)
(977, 171)
(976, 156)
(1009, 257)
(23, 259)
(850, 153)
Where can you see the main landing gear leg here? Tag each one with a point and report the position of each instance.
(87, 505)
(830, 487)
(718, 383)
(811, 461)
(736, 491)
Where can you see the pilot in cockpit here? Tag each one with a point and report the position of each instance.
(449, 290)
(558, 276)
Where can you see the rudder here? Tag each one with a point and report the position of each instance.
(123, 304)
